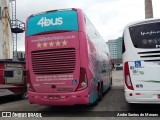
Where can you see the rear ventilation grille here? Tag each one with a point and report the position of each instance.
(150, 56)
(156, 60)
(148, 52)
(57, 61)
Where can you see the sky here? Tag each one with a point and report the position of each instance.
(108, 16)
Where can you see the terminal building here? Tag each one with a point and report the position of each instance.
(115, 48)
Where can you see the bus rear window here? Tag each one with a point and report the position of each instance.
(52, 21)
(146, 35)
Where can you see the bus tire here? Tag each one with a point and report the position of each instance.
(111, 80)
(95, 103)
(24, 95)
(100, 92)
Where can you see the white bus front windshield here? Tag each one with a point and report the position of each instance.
(146, 35)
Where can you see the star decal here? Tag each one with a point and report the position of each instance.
(64, 42)
(39, 45)
(51, 44)
(58, 43)
(45, 44)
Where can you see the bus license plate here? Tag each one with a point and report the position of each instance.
(54, 97)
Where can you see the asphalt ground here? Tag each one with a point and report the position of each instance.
(113, 103)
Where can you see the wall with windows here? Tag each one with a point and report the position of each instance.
(115, 48)
(112, 48)
(119, 47)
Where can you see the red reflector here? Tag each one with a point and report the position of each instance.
(138, 93)
(130, 94)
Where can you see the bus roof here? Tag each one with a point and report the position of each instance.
(53, 11)
(150, 20)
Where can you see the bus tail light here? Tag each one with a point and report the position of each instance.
(127, 77)
(28, 80)
(82, 79)
(29, 87)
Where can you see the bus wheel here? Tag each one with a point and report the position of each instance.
(100, 92)
(95, 103)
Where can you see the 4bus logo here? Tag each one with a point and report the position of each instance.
(44, 22)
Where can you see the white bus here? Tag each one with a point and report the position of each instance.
(141, 61)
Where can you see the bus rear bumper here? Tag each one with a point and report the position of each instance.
(59, 99)
(148, 97)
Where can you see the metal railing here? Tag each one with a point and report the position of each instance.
(17, 26)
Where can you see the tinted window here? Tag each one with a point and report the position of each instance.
(53, 21)
(8, 73)
(146, 35)
(24, 73)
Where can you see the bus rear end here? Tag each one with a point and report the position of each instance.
(54, 69)
(141, 60)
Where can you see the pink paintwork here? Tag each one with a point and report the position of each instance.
(57, 63)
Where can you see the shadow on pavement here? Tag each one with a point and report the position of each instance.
(10, 98)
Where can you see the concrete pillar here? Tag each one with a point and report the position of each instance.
(5, 31)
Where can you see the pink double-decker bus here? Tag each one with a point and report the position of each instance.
(67, 60)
